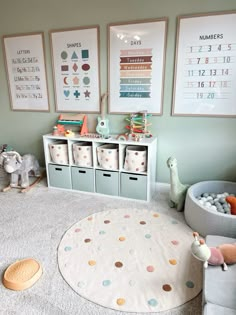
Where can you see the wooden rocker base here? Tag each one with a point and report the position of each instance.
(23, 190)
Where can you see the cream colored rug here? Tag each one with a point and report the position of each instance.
(131, 260)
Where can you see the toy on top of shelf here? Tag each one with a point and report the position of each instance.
(103, 123)
(139, 125)
(72, 120)
(56, 132)
(59, 130)
(69, 133)
(123, 136)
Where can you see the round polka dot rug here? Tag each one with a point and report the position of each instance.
(131, 260)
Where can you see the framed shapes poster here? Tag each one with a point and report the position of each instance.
(136, 66)
(75, 55)
(205, 65)
(26, 71)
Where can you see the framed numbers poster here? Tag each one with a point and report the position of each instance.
(26, 71)
(205, 66)
(75, 54)
(136, 66)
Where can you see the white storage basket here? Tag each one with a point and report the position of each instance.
(136, 159)
(108, 155)
(59, 152)
(82, 153)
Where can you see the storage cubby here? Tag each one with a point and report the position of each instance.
(82, 179)
(59, 176)
(133, 186)
(107, 182)
(104, 166)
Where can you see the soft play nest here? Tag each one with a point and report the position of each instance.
(204, 220)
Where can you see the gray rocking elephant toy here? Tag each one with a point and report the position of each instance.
(20, 167)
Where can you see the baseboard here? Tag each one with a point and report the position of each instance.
(162, 187)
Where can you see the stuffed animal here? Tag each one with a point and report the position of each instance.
(232, 201)
(19, 167)
(221, 255)
(177, 189)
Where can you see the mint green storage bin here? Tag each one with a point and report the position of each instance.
(133, 186)
(82, 179)
(107, 182)
(59, 176)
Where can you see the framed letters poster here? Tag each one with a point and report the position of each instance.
(136, 66)
(26, 71)
(75, 54)
(205, 65)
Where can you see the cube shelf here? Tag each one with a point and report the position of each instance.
(125, 169)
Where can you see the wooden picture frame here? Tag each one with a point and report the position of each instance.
(26, 71)
(136, 64)
(75, 57)
(205, 65)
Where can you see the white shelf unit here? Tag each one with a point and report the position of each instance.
(95, 179)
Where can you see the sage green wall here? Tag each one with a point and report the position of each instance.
(204, 147)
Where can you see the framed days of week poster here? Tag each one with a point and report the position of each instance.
(136, 66)
(75, 55)
(205, 65)
(26, 71)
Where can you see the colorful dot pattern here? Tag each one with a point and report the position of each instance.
(108, 156)
(82, 154)
(109, 256)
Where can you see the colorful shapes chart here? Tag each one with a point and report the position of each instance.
(133, 260)
(84, 53)
(135, 73)
(75, 74)
(64, 55)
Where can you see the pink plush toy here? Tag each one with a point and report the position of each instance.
(221, 255)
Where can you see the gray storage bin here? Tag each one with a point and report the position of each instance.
(59, 176)
(82, 179)
(133, 186)
(107, 182)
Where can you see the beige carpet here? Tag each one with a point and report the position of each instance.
(32, 225)
(132, 260)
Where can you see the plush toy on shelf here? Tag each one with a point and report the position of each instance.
(221, 255)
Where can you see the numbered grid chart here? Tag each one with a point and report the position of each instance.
(208, 71)
(205, 76)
